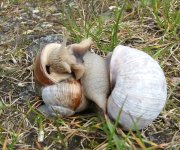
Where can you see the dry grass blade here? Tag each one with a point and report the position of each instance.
(119, 131)
(101, 146)
(5, 144)
(138, 141)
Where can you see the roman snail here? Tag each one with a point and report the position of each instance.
(137, 86)
(128, 83)
(57, 71)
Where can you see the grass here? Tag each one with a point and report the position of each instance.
(152, 26)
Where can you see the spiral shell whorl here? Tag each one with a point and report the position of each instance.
(139, 87)
(66, 93)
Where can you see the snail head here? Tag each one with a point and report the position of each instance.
(69, 60)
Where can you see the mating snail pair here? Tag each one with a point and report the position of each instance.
(128, 82)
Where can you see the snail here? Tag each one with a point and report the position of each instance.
(61, 90)
(138, 89)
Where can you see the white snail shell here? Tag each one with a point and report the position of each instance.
(139, 88)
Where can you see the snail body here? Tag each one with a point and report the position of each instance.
(43, 74)
(64, 60)
(95, 80)
(138, 88)
(56, 62)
